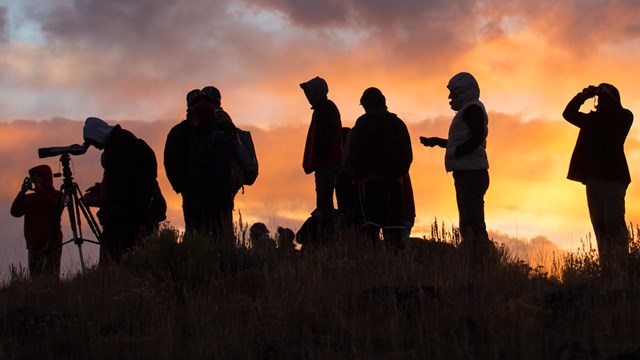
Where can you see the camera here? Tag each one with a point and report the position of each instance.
(75, 149)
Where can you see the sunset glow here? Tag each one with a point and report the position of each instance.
(133, 62)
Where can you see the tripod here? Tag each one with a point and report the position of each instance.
(71, 198)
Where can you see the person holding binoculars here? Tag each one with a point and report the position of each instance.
(37, 201)
(599, 162)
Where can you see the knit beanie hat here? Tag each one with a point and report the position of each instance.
(213, 93)
(96, 130)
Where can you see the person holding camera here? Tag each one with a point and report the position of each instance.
(599, 162)
(466, 158)
(37, 202)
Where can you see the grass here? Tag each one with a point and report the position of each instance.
(196, 300)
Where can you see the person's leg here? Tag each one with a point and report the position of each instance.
(325, 185)
(595, 202)
(52, 262)
(372, 210)
(614, 219)
(471, 187)
(393, 208)
(36, 260)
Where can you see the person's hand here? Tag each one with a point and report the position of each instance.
(590, 91)
(27, 184)
(94, 190)
(430, 141)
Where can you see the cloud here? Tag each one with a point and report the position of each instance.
(529, 194)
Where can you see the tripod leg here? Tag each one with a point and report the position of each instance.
(86, 211)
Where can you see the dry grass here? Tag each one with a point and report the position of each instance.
(195, 300)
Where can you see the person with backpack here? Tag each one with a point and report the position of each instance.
(134, 205)
(37, 201)
(244, 164)
(466, 158)
(207, 198)
(323, 151)
(377, 156)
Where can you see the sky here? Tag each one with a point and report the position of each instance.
(132, 63)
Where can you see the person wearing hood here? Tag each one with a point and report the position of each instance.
(377, 157)
(599, 162)
(132, 192)
(466, 158)
(37, 201)
(323, 151)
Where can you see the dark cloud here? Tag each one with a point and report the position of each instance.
(4, 24)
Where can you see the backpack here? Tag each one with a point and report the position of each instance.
(244, 167)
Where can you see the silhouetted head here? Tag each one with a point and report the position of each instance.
(285, 237)
(202, 113)
(258, 231)
(194, 96)
(315, 90)
(373, 100)
(42, 176)
(608, 97)
(463, 88)
(213, 94)
(96, 132)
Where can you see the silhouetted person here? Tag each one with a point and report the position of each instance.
(130, 172)
(466, 157)
(377, 156)
(226, 125)
(38, 208)
(178, 146)
(261, 243)
(285, 238)
(349, 212)
(323, 150)
(178, 155)
(598, 161)
(207, 198)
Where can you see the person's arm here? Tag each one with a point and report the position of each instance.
(173, 161)
(433, 141)
(473, 116)
(18, 207)
(572, 112)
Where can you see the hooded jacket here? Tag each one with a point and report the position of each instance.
(97, 131)
(379, 145)
(467, 92)
(599, 149)
(38, 209)
(130, 171)
(324, 139)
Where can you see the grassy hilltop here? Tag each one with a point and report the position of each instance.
(194, 300)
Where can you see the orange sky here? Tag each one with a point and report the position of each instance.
(133, 62)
